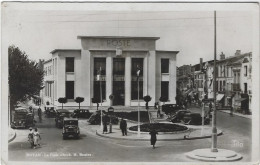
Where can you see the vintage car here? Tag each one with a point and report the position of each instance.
(61, 114)
(22, 118)
(81, 113)
(95, 119)
(170, 108)
(50, 111)
(178, 116)
(70, 128)
(195, 119)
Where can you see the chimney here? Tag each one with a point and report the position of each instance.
(238, 52)
(222, 56)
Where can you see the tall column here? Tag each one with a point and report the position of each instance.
(172, 79)
(127, 81)
(152, 76)
(109, 78)
(145, 76)
(86, 75)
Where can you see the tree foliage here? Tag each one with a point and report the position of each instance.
(96, 101)
(62, 100)
(25, 77)
(79, 100)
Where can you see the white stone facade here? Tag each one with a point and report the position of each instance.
(109, 49)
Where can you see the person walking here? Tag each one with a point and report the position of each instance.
(36, 138)
(30, 137)
(123, 126)
(153, 139)
(158, 113)
(104, 127)
(40, 114)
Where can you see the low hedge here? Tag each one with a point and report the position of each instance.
(133, 116)
(159, 127)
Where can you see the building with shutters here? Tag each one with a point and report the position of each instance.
(73, 73)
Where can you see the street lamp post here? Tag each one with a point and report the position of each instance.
(138, 73)
(101, 122)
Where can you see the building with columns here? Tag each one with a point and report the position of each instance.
(73, 73)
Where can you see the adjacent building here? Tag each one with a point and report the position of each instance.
(107, 66)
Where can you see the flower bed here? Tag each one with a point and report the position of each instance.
(160, 127)
(133, 116)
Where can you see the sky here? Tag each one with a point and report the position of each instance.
(38, 31)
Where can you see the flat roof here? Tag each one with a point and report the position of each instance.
(119, 37)
(55, 50)
(47, 61)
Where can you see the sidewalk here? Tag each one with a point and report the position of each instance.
(237, 114)
(11, 135)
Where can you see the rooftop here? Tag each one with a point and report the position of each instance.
(56, 50)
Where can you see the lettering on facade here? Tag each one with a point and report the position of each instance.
(118, 43)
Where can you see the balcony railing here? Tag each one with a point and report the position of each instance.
(236, 87)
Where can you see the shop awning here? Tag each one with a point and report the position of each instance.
(240, 99)
(220, 97)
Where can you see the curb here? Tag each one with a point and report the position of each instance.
(12, 138)
(139, 139)
(234, 114)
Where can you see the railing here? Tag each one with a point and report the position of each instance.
(236, 87)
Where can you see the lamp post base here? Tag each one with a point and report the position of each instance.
(207, 155)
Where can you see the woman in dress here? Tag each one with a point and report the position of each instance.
(153, 139)
(36, 138)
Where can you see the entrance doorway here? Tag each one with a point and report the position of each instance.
(119, 92)
(119, 81)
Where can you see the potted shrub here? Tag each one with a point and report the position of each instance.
(79, 100)
(62, 100)
(147, 99)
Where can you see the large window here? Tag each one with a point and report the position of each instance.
(134, 90)
(165, 89)
(245, 71)
(97, 89)
(100, 62)
(137, 62)
(164, 65)
(119, 66)
(70, 89)
(69, 64)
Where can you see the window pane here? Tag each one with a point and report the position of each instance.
(165, 89)
(164, 65)
(70, 89)
(137, 62)
(134, 90)
(119, 66)
(69, 64)
(100, 62)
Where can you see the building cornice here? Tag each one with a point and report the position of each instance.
(58, 50)
(118, 37)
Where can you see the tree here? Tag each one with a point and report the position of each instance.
(163, 99)
(62, 100)
(96, 101)
(79, 100)
(147, 99)
(25, 77)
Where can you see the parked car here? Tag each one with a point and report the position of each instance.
(81, 113)
(195, 119)
(170, 108)
(95, 119)
(178, 116)
(70, 128)
(61, 114)
(22, 118)
(50, 111)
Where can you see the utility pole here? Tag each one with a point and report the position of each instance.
(138, 73)
(214, 117)
(101, 121)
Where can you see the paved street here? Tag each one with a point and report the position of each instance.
(90, 147)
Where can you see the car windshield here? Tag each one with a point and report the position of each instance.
(65, 114)
(71, 122)
(19, 116)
